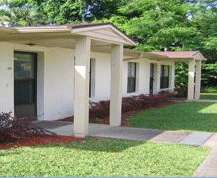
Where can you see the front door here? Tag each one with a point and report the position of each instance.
(25, 81)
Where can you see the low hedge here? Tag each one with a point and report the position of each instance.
(13, 129)
(134, 103)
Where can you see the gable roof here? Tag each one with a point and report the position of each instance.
(131, 54)
(181, 55)
(104, 31)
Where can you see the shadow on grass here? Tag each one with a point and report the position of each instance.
(97, 145)
(9, 152)
(208, 96)
(209, 93)
(182, 116)
(89, 144)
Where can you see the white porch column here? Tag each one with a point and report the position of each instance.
(81, 86)
(116, 85)
(172, 80)
(158, 75)
(191, 83)
(198, 80)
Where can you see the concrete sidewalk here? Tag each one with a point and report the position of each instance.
(209, 166)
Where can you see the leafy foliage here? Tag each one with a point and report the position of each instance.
(209, 75)
(157, 25)
(181, 79)
(12, 129)
(37, 12)
(101, 109)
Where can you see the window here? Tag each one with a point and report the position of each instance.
(92, 78)
(152, 72)
(165, 73)
(131, 80)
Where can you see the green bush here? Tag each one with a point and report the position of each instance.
(209, 75)
(181, 75)
(181, 79)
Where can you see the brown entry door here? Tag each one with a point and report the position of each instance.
(25, 84)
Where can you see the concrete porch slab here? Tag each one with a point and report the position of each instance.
(51, 124)
(125, 133)
(106, 131)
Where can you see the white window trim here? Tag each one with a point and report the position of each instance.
(137, 79)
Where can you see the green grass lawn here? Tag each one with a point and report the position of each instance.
(102, 157)
(209, 93)
(181, 116)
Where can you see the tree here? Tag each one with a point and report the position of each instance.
(61, 11)
(38, 12)
(206, 23)
(98, 9)
(19, 12)
(159, 25)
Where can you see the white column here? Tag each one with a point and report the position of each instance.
(157, 82)
(81, 87)
(139, 77)
(191, 83)
(172, 77)
(146, 77)
(116, 85)
(198, 80)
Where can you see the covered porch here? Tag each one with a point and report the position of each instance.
(194, 60)
(82, 40)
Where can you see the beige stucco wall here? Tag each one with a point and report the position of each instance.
(56, 79)
(6, 78)
(54, 85)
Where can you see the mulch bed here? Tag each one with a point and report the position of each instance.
(128, 115)
(39, 140)
(125, 116)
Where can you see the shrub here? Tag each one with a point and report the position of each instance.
(134, 103)
(12, 128)
(181, 75)
(209, 75)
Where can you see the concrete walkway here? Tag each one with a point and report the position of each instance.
(129, 133)
(205, 139)
(209, 166)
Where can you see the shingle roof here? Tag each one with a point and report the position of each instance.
(181, 54)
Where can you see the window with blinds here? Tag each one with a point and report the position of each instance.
(131, 79)
(165, 73)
